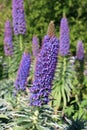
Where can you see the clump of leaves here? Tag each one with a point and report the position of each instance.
(33, 118)
(76, 124)
(63, 82)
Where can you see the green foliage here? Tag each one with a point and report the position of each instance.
(4, 113)
(1, 68)
(14, 61)
(6, 87)
(76, 124)
(81, 87)
(63, 83)
(25, 117)
(76, 108)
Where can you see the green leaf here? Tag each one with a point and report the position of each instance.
(2, 116)
(18, 128)
(42, 128)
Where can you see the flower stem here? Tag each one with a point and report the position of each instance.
(21, 45)
(9, 58)
(64, 67)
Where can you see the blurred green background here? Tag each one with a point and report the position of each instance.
(40, 12)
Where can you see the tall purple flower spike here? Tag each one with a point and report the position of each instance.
(35, 46)
(23, 72)
(44, 71)
(64, 41)
(8, 46)
(80, 51)
(19, 23)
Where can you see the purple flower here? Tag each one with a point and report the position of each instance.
(44, 72)
(23, 72)
(18, 17)
(35, 46)
(85, 72)
(64, 37)
(80, 51)
(8, 46)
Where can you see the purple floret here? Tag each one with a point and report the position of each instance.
(80, 51)
(8, 46)
(19, 23)
(64, 42)
(44, 72)
(23, 72)
(35, 46)
(85, 72)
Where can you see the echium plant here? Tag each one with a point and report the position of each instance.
(44, 70)
(62, 85)
(8, 45)
(80, 67)
(18, 16)
(80, 51)
(19, 23)
(19, 26)
(64, 41)
(23, 72)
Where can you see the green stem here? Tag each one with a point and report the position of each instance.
(9, 58)
(21, 45)
(63, 80)
(64, 12)
(81, 78)
(64, 66)
(81, 71)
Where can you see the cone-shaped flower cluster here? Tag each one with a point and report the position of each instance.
(23, 72)
(35, 46)
(80, 51)
(8, 46)
(18, 17)
(64, 37)
(44, 71)
(51, 29)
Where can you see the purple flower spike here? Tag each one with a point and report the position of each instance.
(80, 51)
(18, 17)
(8, 46)
(64, 37)
(35, 46)
(23, 72)
(44, 72)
